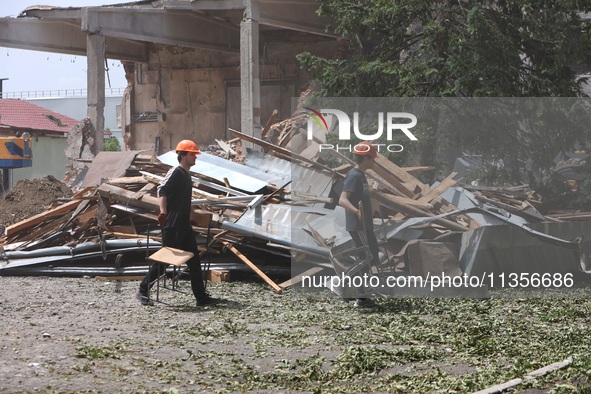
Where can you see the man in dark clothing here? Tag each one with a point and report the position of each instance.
(174, 200)
(358, 214)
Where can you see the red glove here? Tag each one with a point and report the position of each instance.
(162, 218)
(359, 216)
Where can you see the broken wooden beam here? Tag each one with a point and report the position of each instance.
(254, 267)
(298, 278)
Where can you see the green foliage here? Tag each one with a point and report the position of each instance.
(112, 145)
(98, 352)
(472, 48)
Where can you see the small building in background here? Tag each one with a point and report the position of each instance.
(48, 131)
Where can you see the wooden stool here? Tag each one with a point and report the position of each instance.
(164, 257)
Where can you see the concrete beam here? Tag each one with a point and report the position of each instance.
(250, 85)
(63, 36)
(294, 15)
(205, 5)
(171, 27)
(95, 59)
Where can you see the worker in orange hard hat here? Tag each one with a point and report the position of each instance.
(174, 199)
(358, 213)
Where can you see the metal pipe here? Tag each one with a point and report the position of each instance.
(78, 249)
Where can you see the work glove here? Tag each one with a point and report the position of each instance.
(359, 216)
(162, 218)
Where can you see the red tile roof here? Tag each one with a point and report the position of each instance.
(22, 114)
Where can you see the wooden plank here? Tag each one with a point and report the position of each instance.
(53, 225)
(439, 189)
(254, 267)
(389, 182)
(298, 278)
(125, 196)
(410, 170)
(128, 180)
(14, 228)
(386, 164)
(117, 234)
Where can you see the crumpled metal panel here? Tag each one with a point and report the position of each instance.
(508, 249)
(304, 179)
(239, 176)
(464, 199)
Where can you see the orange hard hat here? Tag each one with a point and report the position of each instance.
(187, 146)
(366, 148)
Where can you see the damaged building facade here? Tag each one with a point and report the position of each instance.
(193, 68)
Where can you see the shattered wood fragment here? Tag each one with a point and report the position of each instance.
(270, 196)
(44, 230)
(85, 226)
(317, 237)
(102, 210)
(226, 148)
(13, 229)
(269, 123)
(254, 267)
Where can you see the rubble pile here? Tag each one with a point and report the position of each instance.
(275, 207)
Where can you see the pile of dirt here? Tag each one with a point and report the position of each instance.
(30, 197)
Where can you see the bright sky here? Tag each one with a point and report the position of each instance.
(34, 70)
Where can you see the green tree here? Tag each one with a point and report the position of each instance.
(112, 145)
(464, 48)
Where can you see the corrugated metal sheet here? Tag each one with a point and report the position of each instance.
(304, 179)
(239, 176)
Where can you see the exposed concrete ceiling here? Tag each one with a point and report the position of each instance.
(128, 28)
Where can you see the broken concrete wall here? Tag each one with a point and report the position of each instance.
(81, 145)
(187, 93)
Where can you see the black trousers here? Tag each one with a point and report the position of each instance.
(183, 240)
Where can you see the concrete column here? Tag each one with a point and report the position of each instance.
(250, 85)
(95, 74)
